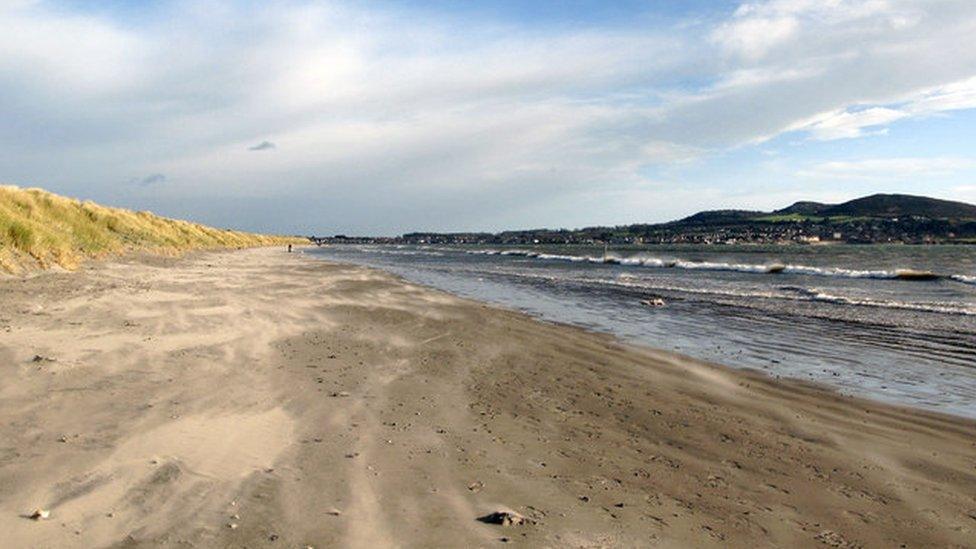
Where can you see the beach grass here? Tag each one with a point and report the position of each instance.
(39, 229)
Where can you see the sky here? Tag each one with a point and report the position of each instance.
(388, 116)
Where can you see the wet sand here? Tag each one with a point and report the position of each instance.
(264, 399)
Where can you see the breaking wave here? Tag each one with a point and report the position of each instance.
(964, 279)
(770, 268)
(783, 293)
(794, 293)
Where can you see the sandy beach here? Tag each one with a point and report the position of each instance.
(263, 399)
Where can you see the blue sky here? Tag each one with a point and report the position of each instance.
(387, 116)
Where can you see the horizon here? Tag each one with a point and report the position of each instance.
(388, 117)
(585, 227)
(567, 228)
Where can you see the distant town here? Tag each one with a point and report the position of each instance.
(870, 220)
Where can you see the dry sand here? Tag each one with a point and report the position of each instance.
(312, 404)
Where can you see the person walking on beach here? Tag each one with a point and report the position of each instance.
(289, 248)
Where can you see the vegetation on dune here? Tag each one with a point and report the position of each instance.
(41, 229)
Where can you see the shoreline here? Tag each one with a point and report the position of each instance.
(279, 388)
(915, 357)
(753, 373)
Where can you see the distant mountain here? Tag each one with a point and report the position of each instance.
(885, 206)
(901, 205)
(803, 208)
(713, 217)
(879, 218)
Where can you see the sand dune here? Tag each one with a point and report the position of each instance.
(40, 230)
(259, 398)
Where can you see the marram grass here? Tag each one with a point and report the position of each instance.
(42, 229)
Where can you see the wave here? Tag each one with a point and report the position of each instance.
(400, 251)
(795, 293)
(771, 268)
(964, 279)
(945, 308)
(781, 293)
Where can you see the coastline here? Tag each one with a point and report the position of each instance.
(276, 389)
(900, 342)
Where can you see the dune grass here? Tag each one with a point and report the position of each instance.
(42, 229)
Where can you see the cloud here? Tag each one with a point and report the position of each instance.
(881, 169)
(757, 28)
(752, 37)
(964, 193)
(846, 70)
(859, 121)
(849, 124)
(262, 146)
(419, 119)
(148, 180)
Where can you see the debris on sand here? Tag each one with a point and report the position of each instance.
(334, 512)
(340, 394)
(833, 539)
(476, 486)
(232, 525)
(40, 358)
(505, 518)
(39, 514)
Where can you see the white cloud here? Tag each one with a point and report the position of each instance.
(847, 124)
(846, 69)
(756, 28)
(752, 36)
(949, 97)
(80, 53)
(858, 121)
(881, 169)
(963, 193)
(425, 112)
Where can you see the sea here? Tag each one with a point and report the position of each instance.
(895, 323)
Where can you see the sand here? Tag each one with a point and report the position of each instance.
(265, 399)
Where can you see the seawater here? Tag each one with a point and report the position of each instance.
(893, 323)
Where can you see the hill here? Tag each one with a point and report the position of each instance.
(900, 205)
(879, 218)
(803, 208)
(880, 206)
(712, 217)
(42, 229)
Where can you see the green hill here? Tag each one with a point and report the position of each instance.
(900, 205)
(880, 206)
(879, 218)
(39, 229)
